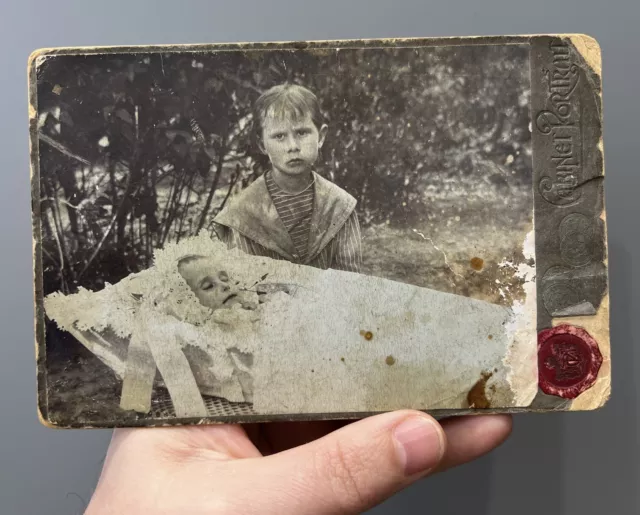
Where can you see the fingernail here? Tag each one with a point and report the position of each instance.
(419, 443)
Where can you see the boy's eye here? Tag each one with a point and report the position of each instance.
(206, 285)
(303, 132)
(279, 137)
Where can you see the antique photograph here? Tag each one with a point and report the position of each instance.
(240, 232)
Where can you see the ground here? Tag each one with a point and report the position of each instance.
(458, 247)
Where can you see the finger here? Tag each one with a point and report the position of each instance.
(470, 437)
(256, 434)
(282, 436)
(349, 470)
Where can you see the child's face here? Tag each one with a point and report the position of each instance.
(210, 283)
(292, 145)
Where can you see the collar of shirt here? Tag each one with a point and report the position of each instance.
(254, 215)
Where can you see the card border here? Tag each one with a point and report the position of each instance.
(584, 51)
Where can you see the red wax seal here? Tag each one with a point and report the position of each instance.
(568, 361)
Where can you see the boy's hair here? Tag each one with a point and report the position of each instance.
(286, 101)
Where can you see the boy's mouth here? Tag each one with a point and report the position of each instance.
(295, 162)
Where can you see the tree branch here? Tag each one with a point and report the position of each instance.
(61, 148)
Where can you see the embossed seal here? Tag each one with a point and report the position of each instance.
(568, 361)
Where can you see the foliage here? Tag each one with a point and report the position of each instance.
(140, 149)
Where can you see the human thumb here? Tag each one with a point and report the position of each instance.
(352, 469)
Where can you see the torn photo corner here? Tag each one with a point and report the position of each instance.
(320, 230)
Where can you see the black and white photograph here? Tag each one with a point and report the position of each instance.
(262, 231)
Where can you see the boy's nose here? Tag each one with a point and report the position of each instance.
(293, 145)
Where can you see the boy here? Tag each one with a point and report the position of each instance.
(291, 212)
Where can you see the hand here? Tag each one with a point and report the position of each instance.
(282, 468)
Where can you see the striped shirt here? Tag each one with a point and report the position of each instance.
(329, 239)
(295, 211)
(344, 252)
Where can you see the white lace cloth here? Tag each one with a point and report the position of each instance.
(302, 352)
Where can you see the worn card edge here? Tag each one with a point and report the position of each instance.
(597, 325)
(587, 47)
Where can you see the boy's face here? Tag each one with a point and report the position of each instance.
(210, 283)
(292, 144)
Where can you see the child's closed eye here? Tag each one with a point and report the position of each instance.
(206, 285)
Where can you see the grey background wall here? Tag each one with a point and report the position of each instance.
(562, 464)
